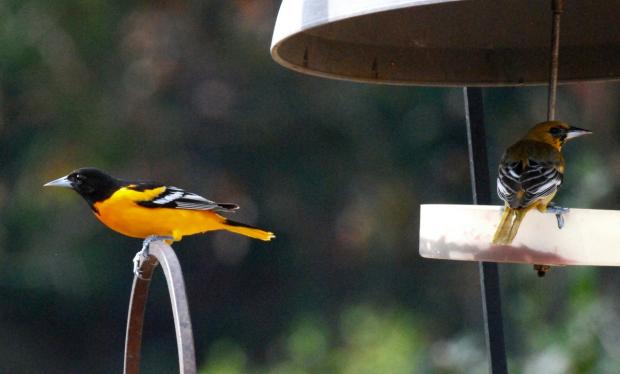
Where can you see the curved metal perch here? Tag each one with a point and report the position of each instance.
(159, 252)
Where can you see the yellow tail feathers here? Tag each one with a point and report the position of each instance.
(247, 230)
(508, 226)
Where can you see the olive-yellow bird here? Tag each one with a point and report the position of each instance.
(530, 172)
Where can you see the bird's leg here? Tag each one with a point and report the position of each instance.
(559, 213)
(143, 254)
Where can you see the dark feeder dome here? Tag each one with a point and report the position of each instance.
(447, 43)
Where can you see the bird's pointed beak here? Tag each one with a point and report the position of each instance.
(574, 132)
(60, 182)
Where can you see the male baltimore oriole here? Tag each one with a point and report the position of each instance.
(530, 172)
(150, 210)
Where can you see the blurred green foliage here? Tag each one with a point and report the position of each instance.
(186, 93)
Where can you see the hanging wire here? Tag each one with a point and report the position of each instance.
(557, 7)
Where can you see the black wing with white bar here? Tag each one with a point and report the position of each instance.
(520, 186)
(174, 197)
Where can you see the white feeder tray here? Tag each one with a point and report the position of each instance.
(464, 232)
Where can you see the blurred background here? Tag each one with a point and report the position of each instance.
(186, 93)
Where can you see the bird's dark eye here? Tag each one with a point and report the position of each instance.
(555, 131)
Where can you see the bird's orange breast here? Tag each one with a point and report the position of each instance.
(121, 213)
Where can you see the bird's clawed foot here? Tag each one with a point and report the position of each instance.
(559, 213)
(143, 254)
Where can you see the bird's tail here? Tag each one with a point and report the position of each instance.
(508, 226)
(247, 230)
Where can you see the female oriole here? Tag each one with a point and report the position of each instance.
(151, 210)
(530, 172)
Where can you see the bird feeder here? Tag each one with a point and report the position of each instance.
(446, 43)
(475, 43)
(457, 43)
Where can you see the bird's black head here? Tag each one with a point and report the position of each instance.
(93, 184)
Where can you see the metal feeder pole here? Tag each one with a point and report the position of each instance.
(479, 170)
(481, 194)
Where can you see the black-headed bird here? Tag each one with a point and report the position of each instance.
(152, 211)
(530, 172)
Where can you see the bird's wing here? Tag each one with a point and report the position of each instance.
(521, 184)
(174, 197)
